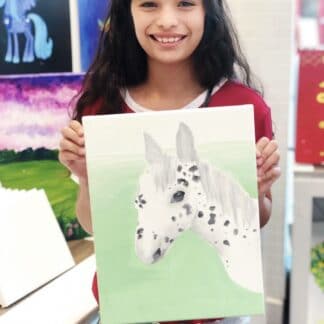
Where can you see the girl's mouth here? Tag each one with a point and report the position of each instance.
(168, 40)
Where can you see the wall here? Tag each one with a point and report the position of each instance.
(266, 30)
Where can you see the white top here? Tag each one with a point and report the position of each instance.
(197, 102)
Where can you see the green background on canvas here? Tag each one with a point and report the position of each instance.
(190, 279)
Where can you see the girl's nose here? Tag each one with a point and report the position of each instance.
(167, 18)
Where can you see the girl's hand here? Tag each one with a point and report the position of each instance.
(72, 151)
(268, 169)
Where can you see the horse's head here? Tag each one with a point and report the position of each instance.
(169, 193)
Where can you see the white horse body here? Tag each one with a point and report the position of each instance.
(177, 194)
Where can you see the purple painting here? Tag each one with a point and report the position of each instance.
(33, 111)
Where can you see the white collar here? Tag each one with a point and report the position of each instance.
(197, 102)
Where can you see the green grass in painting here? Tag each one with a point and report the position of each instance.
(55, 180)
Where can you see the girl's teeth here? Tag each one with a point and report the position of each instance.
(168, 40)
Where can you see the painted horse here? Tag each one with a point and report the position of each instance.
(181, 193)
(17, 22)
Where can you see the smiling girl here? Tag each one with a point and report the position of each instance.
(168, 54)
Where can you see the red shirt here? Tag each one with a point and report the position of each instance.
(230, 94)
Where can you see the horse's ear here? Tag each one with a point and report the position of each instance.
(185, 144)
(153, 152)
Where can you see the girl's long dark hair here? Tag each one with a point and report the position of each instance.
(121, 62)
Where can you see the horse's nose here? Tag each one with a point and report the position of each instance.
(157, 254)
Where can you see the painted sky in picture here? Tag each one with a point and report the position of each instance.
(34, 109)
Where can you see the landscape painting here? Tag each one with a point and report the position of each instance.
(33, 111)
(175, 214)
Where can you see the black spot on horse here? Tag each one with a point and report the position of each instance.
(183, 181)
(187, 207)
(200, 214)
(166, 239)
(140, 233)
(212, 219)
(171, 241)
(227, 223)
(157, 254)
(235, 232)
(244, 236)
(226, 242)
(155, 236)
(140, 206)
(254, 230)
(173, 218)
(180, 229)
(195, 178)
(193, 168)
(184, 173)
(211, 208)
(212, 230)
(179, 168)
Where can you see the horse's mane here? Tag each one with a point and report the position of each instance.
(221, 187)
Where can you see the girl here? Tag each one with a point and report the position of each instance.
(168, 54)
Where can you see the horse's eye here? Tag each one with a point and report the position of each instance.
(177, 197)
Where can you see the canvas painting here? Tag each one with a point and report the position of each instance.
(92, 15)
(33, 111)
(35, 36)
(175, 214)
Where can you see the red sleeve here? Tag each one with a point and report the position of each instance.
(264, 126)
(233, 93)
(92, 109)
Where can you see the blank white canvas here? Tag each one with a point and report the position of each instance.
(33, 250)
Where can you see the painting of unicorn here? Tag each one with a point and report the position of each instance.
(17, 22)
(183, 193)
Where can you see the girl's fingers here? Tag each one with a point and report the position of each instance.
(264, 185)
(66, 156)
(269, 149)
(271, 161)
(77, 127)
(261, 144)
(66, 145)
(272, 174)
(72, 135)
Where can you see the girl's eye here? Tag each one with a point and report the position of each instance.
(177, 197)
(186, 4)
(148, 4)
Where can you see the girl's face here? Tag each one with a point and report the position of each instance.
(168, 30)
